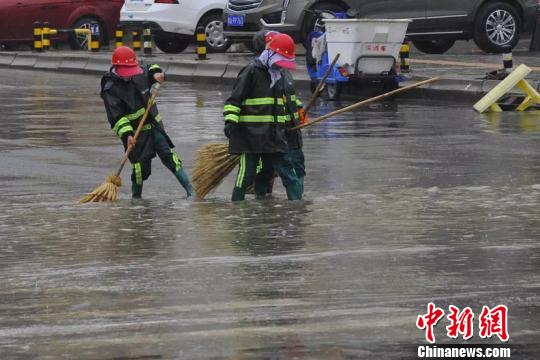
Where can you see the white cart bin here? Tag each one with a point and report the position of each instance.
(366, 46)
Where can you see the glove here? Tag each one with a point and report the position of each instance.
(229, 128)
(303, 116)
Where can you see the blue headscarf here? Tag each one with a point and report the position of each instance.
(268, 58)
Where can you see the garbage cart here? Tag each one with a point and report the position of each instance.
(368, 48)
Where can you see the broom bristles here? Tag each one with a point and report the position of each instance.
(108, 191)
(212, 166)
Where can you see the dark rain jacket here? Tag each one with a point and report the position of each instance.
(255, 113)
(125, 102)
(292, 105)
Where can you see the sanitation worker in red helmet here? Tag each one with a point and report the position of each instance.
(256, 118)
(264, 179)
(125, 90)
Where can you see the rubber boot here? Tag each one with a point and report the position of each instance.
(301, 180)
(136, 191)
(294, 191)
(184, 181)
(238, 194)
(260, 190)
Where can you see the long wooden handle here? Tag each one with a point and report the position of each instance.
(365, 102)
(320, 84)
(139, 128)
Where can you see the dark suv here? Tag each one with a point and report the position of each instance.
(436, 25)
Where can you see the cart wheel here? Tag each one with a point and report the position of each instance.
(333, 91)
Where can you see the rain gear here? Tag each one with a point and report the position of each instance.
(255, 123)
(125, 102)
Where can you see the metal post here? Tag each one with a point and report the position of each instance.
(94, 37)
(147, 39)
(136, 40)
(404, 55)
(119, 35)
(46, 36)
(535, 39)
(201, 43)
(38, 33)
(507, 59)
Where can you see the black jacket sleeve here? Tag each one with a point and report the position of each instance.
(116, 115)
(241, 88)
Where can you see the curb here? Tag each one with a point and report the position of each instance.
(24, 60)
(47, 63)
(73, 64)
(225, 73)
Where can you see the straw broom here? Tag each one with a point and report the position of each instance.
(214, 163)
(108, 191)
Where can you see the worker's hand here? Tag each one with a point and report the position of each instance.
(303, 116)
(159, 77)
(229, 127)
(131, 141)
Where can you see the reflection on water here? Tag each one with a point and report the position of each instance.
(406, 204)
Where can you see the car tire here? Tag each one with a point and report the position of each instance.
(216, 42)
(433, 46)
(171, 44)
(310, 19)
(80, 42)
(497, 26)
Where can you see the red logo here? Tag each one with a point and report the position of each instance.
(461, 322)
(429, 321)
(491, 322)
(494, 322)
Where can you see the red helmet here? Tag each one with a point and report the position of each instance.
(124, 56)
(283, 44)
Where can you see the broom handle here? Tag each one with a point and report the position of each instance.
(320, 85)
(139, 128)
(364, 102)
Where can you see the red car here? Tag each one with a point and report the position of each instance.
(17, 18)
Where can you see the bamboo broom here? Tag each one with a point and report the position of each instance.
(108, 191)
(214, 163)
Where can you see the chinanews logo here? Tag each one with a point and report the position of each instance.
(492, 323)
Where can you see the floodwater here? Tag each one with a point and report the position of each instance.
(407, 202)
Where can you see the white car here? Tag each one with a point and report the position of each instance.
(174, 22)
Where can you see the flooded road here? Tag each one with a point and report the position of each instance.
(407, 202)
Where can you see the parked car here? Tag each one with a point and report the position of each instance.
(436, 25)
(174, 22)
(17, 18)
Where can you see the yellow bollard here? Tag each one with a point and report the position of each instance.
(136, 40)
(201, 44)
(147, 39)
(404, 56)
(38, 33)
(119, 35)
(94, 37)
(46, 36)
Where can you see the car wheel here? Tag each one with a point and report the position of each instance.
(311, 19)
(434, 46)
(213, 28)
(80, 41)
(497, 26)
(333, 91)
(171, 44)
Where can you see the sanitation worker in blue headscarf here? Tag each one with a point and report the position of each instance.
(256, 118)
